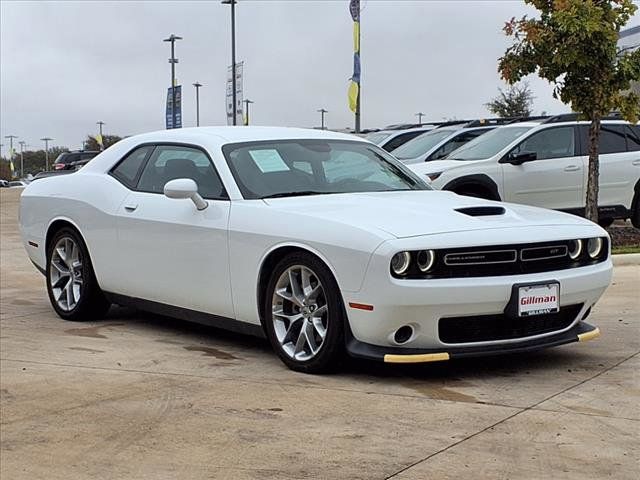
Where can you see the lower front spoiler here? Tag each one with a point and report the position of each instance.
(579, 333)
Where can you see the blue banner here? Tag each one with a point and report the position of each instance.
(169, 114)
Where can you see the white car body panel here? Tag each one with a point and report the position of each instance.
(166, 251)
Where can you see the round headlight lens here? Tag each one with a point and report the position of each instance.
(594, 247)
(425, 259)
(400, 263)
(575, 249)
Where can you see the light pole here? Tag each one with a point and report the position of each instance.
(322, 112)
(247, 102)
(233, 54)
(100, 124)
(22, 144)
(46, 141)
(173, 60)
(420, 115)
(197, 85)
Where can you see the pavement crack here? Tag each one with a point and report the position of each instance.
(509, 417)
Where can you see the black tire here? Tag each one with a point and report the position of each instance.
(635, 215)
(476, 193)
(332, 351)
(605, 222)
(92, 304)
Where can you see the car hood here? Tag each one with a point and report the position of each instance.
(437, 166)
(414, 213)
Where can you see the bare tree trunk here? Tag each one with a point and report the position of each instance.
(591, 210)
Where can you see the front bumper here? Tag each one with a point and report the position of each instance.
(580, 332)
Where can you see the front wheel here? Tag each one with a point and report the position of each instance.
(304, 316)
(71, 283)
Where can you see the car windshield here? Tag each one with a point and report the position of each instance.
(283, 168)
(377, 137)
(489, 144)
(421, 144)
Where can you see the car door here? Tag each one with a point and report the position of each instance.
(554, 179)
(168, 251)
(617, 152)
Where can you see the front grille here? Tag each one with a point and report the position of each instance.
(484, 328)
(499, 260)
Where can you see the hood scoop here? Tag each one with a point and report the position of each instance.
(481, 211)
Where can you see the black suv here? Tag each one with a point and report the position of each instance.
(73, 160)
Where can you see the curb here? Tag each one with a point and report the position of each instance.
(626, 259)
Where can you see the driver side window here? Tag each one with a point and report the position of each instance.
(169, 162)
(550, 143)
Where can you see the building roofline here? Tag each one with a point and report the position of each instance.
(629, 31)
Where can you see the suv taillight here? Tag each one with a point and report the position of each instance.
(58, 166)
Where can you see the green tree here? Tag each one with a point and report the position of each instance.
(515, 101)
(92, 144)
(573, 45)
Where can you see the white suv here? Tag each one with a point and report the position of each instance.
(545, 163)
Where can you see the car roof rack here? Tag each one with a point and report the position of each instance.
(574, 117)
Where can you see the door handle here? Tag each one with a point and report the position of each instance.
(636, 163)
(130, 208)
(572, 168)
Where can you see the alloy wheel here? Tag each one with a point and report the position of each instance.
(300, 313)
(65, 273)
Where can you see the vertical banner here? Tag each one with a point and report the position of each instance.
(170, 106)
(354, 86)
(239, 94)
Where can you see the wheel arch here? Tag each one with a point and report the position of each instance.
(480, 181)
(271, 258)
(55, 225)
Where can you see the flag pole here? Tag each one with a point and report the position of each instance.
(360, 79)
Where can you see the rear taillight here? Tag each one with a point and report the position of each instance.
(58, 166)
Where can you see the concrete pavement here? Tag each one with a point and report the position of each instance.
(138, 396)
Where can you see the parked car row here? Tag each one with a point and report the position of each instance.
(541, 161)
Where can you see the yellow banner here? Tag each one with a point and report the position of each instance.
(353, 96)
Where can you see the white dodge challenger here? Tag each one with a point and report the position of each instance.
(320, 241)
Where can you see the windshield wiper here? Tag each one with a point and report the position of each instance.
(299, 193)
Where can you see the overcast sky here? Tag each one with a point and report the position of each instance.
(66, 65)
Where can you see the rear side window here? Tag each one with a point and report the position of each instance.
(401, 140)
(633, 138)
(127, 170)
(612, 139)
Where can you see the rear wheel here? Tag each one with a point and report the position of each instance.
(71, 283)
(605, 222)
(304, 314)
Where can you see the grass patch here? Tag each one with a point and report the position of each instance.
(625, 249)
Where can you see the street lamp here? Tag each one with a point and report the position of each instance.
(420, 115)
(322, 112)
(233, 53)
(22, 144)
(173, 60)
(46, 141)
(197, 85)
(247, 102)
(100, 124)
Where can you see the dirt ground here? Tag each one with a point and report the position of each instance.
(138, 396)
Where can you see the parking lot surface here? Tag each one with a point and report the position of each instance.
(145, 397)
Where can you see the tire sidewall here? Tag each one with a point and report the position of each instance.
(333, 346)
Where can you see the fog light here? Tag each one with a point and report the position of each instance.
(400, 263)
(594, 247)
(575, 249)
(425, 259)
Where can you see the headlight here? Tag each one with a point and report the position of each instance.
(425, 260)
(400, 263)
(575, 249)
(433, 176)
(594, 247)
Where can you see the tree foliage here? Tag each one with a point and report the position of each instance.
(515, 101)
(573, 45)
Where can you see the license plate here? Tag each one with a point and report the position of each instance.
(538, 299)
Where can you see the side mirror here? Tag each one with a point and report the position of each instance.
(519, 158)
(182, 188)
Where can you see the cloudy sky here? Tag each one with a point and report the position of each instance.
(66, 65)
